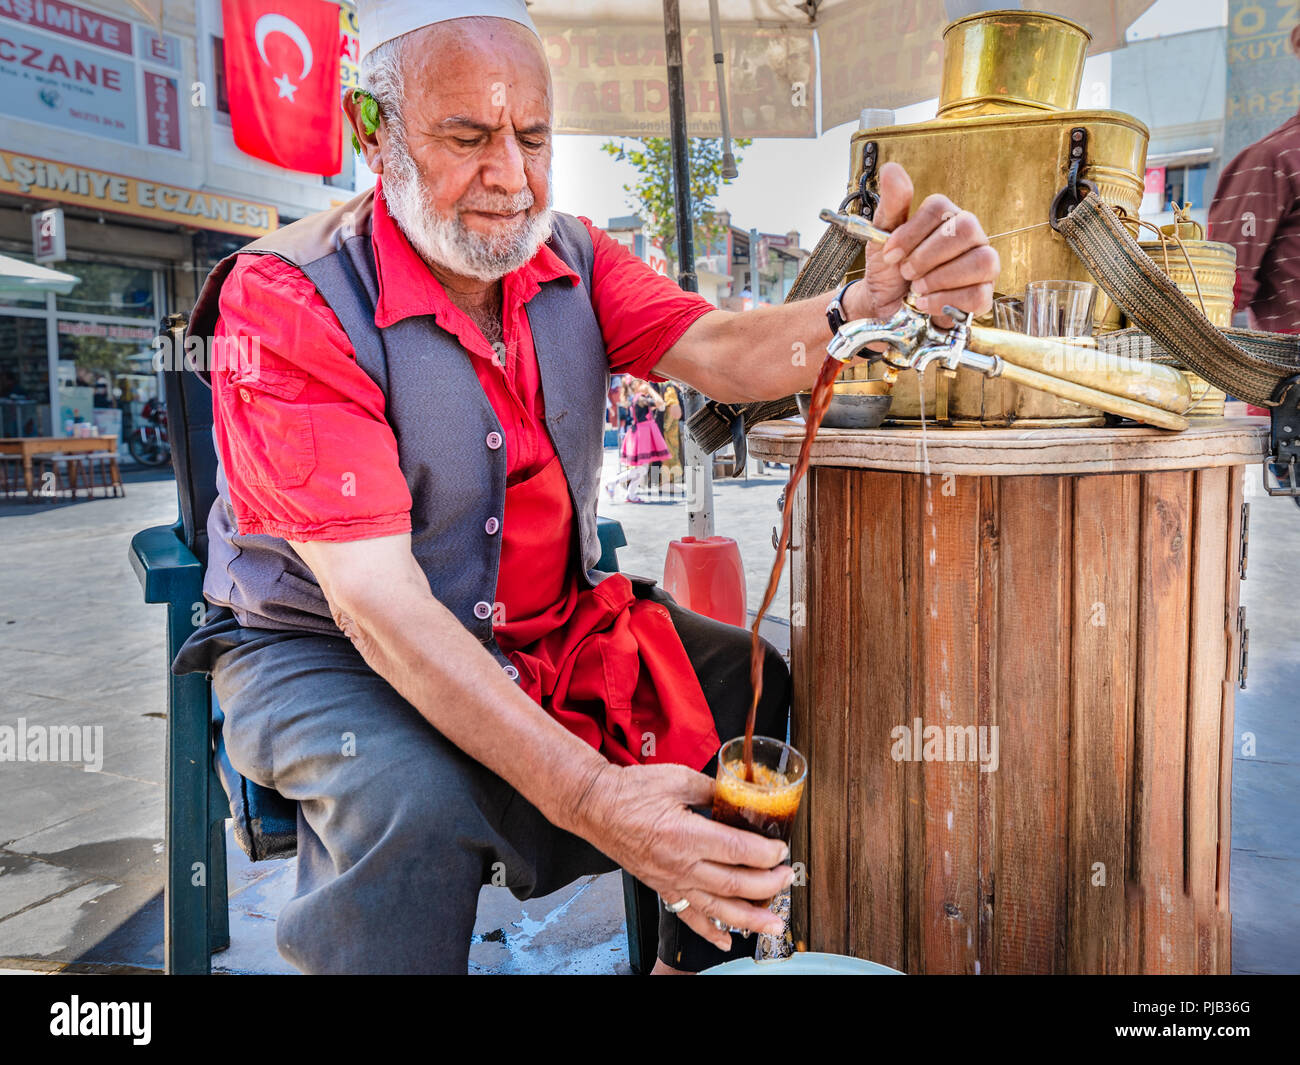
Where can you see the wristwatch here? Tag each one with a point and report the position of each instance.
(835, 309)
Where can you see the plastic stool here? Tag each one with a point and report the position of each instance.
(707, 576)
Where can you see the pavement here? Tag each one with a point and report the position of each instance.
(81, 868)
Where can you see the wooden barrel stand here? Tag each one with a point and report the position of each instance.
(1067, 598)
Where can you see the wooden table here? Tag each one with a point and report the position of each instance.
(29, 446)
(1069, 595)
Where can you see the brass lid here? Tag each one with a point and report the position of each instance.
(999, 61)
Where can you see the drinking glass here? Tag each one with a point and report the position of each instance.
(1059, 308)
(766, 805)
(1009, 313)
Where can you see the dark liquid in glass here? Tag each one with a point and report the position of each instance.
(753, 808)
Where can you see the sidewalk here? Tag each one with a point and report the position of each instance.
(81, 852)
(81, 863)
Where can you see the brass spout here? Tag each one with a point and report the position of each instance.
(1145, 382)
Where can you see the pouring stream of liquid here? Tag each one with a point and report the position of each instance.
(821, 399)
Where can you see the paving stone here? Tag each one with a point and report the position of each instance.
(1260, 791)
(27, 881)
(1265, 918)
(51, 930)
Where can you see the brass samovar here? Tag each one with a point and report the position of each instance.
(1008, 145)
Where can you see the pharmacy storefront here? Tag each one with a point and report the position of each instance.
(138, 248)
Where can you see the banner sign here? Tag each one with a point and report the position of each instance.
(1263, 83)
(72, 21)
(612, 80)
(349, 48)
(72, 68)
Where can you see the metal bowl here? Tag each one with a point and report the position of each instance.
(850, 411)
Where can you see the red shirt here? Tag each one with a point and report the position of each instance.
(609, 667)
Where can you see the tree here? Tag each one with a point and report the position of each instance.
(651, 195)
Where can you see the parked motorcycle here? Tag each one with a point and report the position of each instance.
(148, 443)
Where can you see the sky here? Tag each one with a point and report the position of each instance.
(784, 183)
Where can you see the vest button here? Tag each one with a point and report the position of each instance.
(512, 673)
(494, 440)
(491, 525)
(482, 609)
(246, 395)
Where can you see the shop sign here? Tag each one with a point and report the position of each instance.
(49, 240)
(45, 179)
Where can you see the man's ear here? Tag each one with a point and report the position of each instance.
(363, 116)
(1295, 38)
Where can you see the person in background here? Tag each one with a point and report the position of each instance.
(1256, 209)
(672, 428)
(643, 443)
(611, 403)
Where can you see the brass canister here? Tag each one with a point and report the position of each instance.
(1002, 148)
(1211, 267)
(1000, 61)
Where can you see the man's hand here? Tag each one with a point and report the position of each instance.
(941, 254)
(640, 817)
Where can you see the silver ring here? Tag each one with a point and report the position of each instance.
(717, 924)
(676, 907)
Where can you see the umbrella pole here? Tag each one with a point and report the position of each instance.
(698, 466)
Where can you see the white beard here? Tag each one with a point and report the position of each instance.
(448, 242)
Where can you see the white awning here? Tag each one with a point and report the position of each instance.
(19, 278)
(607, 59)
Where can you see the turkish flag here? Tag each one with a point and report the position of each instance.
(282, 81)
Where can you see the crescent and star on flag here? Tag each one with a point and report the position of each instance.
(274, 23)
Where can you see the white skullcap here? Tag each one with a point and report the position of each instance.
(383, 20)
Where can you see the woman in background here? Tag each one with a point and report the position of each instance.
(643, 443)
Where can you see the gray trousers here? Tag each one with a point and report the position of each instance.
(397, 828)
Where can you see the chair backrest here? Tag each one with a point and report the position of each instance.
(189, 430)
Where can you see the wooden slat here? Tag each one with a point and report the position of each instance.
(1160, 722)
(1101, 706)
(913, 798)
(1034, 525)
(987, 698)
(803, 536)
(1207, 651)
(1227, 724)
(882, 663)
(1020, 452)
(830, 691)
(949, 598)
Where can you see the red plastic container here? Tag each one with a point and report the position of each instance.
(708, 577)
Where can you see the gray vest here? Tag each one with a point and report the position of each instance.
(450, 443)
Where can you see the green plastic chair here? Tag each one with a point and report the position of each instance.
(202, 788)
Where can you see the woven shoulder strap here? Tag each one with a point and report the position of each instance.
(1151, 300)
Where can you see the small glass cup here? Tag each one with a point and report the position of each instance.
(1009, 313)
(1059, 308)
(769, 803)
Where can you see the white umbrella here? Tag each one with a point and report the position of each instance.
(18, 278)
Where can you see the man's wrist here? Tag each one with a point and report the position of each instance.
(859, 301)
(586, 804)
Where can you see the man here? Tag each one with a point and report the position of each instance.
(411, 640)
(1256, 209)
